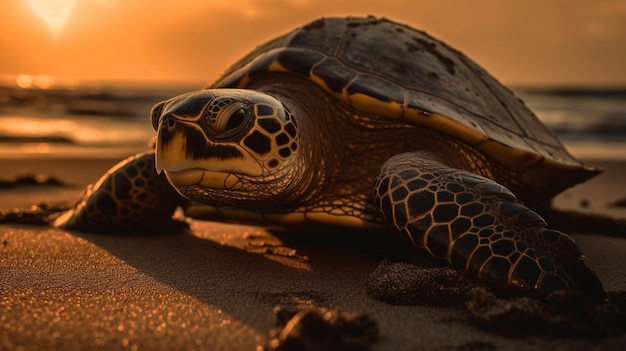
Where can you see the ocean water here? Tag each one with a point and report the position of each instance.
(90, 121)
(104, 121)
(591, 122)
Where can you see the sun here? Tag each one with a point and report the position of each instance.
(53, 12)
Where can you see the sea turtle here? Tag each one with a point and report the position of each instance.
(360, 123)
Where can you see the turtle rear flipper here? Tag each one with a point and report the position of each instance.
(131, 196)
(478, 226)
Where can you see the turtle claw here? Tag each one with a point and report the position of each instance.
(479, 227)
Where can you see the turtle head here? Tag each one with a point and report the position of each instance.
(227, 146)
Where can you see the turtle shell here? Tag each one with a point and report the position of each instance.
(388, 69)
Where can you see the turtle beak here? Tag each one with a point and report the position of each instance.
(166, 151)
(172, 144)
(182, 145)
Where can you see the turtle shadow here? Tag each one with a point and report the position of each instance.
(236, 279)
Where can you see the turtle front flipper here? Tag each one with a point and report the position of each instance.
(131, 196)
(479, 227)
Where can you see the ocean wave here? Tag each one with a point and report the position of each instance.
(20, 139)
(596, 92)
(90, 102)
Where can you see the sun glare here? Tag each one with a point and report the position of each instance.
(40, 82)
(53, 12)
(24, 81)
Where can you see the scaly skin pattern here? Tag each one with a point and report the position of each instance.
(479, 227)
(131, 196)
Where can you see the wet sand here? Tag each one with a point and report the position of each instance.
(215, 287)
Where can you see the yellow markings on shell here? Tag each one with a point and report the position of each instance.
(374, 106)
(512, 158)
(276, 66)
(245, 78)
(363, 102)
(322, 84)
(243, 82)
(445, 125)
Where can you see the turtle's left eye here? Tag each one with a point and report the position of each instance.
(236, 119)
(231, 119)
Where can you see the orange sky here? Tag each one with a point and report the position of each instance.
(519, 41)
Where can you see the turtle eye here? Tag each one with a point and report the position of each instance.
(236, 119)
(231, 118)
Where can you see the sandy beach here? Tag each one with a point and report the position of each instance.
(215, 286)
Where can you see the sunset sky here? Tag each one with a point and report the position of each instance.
(521, 42)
